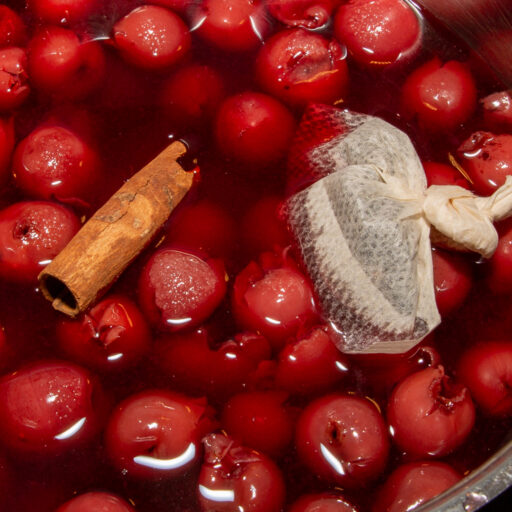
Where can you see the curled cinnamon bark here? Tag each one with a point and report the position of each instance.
(116, 233)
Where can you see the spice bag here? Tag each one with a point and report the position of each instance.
(363, 224)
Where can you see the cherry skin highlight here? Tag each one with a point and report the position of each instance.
(440, 95)
(12, 29)
(487, 158)
(272, 297)
(298, 67)
(310, 363)
(343, 440)
(259, 420)
(157, 434)
(14, 81)
(452, 280)
(32, 233)
(62, 65)
(497, 110)
(325, 502)
(378, 33)
(111, 336)
(151, 37)
(413, 484)
(194, 363)
(254, 129)
(53, 162)
(99, 501)
(234, 478)
(486, 369)
(49, 407)
(429, 415)
(232, 25)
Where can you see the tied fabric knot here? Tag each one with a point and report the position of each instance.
(364, 223)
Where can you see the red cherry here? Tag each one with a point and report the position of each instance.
(499, 268)
(151, 37)
(12, 28)
(442, 174)
(6, 147)
(49, 407)
(262, 228)
(99, 501)
(179, 290)
(311, 363)
(343, 439)
(298, 67)
(309, 14)
(429, 415)
(195, 364)
(185, 98)
(61, 65)
(411, 485)
(203, 226)
(486, 369)
(62, 11)
(232, 25)
(272, 297)
(497, 108)
(14, 87)
(380, 32)
(157, 434)
(253, 128)
(113, 335)
(325, 502)
(259, 420)
(32, 233)
(54, 162)
(453, 278)
(441, 95)
(236, 478)
(487, 158)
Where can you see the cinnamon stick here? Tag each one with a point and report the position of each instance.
(116, 234)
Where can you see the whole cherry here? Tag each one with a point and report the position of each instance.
(95, 500)
(14, 83)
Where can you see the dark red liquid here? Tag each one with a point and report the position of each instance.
(130, 128)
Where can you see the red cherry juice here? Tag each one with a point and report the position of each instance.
(127, 103)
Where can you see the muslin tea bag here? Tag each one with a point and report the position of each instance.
(363, 229)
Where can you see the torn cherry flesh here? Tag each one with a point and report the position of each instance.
(440, 95)
(156, 434)
(260, 420)
(152, 37)
(486, 369)
(232, 25)
(274, 298)
(310, 14)
(310, 363)
(487, 158)
(234, 477)
(378, 33)
(14, 79)
(96, 501)
(192, 362)
(429, 415)
(32, 233)
(49, 407)
(111, 336)
(343, 439)
(179, 290)
(54, 162)
(254, 129)
(411, 485)
(298, 67)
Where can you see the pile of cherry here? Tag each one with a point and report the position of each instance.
(206, 379)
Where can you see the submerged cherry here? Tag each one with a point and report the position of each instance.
(95, 500)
